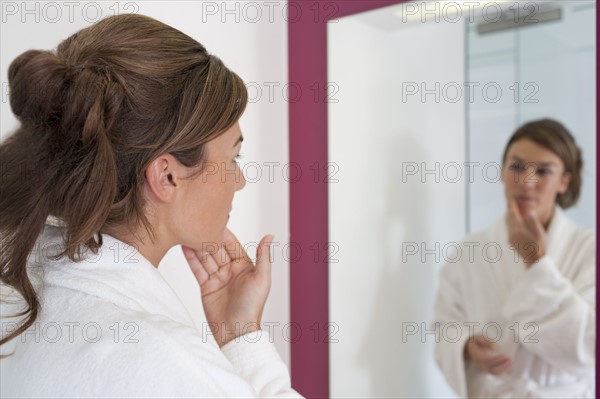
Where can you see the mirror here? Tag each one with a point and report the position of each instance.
(428, 96)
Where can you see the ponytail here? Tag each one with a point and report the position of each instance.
(60, 161)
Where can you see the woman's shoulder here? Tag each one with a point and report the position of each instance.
(580, 237)
(585, 236)
(121, 353)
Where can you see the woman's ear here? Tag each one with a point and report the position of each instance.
(162, 178)
(564, 183)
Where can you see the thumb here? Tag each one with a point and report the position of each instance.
(536, 224)
(482, 342)
(263, 257)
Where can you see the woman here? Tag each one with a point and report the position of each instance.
(127, 147)
(524, 314)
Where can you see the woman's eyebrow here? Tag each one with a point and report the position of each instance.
(550, 163)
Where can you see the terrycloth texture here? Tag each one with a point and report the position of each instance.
(550, 309)
(111, 326)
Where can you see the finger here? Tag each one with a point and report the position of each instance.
(195, 264)
(221, 256)
(514, 210)
(482, 342)
(535, 224)
(487, 352)
(233, 247)
(209, 263)
(480, 354)
(263, 257)
(502, 367)
(487, 361)
(497, 360)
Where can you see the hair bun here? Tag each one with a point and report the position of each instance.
(36, 80)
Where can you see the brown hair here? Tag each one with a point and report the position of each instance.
(553, 136)
(94, 114)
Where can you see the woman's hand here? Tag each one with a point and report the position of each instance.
(484, 354)
(526, 234)
(234, 291)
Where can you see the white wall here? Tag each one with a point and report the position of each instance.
(377, 288)
(255, 46)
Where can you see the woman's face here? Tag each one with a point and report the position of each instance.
(206, 202)
(533, 176)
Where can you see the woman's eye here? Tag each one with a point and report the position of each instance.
(543, 172)
(517, 167)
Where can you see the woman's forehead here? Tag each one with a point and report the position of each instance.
(226, 141)
(528, 150)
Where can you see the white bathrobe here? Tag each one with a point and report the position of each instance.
(111, 326)
(548, 309)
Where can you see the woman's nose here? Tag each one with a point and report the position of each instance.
(241, 180)
(529, 178)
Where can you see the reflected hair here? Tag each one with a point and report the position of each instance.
(93, 115)
(555, 137)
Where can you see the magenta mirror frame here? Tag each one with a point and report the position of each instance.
(309, 296)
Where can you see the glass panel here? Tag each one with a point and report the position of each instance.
(544, 69)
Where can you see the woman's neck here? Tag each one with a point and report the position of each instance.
(152, 251)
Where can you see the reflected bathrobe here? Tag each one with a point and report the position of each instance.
(111, 326)
(546, 315)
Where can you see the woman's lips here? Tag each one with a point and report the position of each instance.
(524, 199)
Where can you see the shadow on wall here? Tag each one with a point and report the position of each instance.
(398, 368)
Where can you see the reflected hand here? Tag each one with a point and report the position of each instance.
(526, 234)
(485, 355)
(234, 291)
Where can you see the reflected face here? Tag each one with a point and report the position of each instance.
(207, 199)
(533, 176)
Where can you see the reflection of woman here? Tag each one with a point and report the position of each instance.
(536, 288)
(129, 135)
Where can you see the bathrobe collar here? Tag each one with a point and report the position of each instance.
(118, 273)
